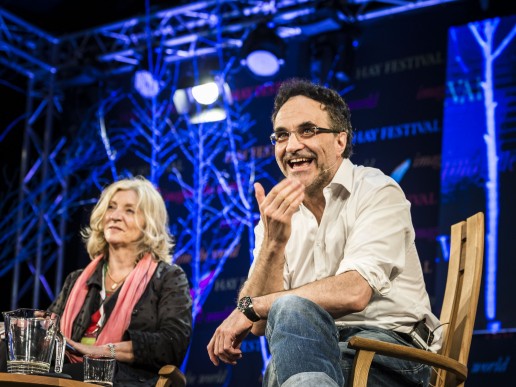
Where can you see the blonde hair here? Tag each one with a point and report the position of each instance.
(156, 238)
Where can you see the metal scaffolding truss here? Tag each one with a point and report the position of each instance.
(51, 64)
(197, 29)
(25, 48)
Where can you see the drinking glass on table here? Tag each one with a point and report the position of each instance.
(99, 369)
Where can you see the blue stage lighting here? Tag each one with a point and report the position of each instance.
(206, 94)
(263, 52)
(146, 84)
(203, 103)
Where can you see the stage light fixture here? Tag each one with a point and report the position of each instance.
(146, 84)
(206, 94)
(204, 102)
(263, 52)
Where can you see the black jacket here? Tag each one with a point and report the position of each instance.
(160, 327)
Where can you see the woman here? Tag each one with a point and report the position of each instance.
(129, 302)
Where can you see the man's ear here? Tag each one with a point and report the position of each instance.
(342, 141)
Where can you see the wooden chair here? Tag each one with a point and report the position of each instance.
(449, 366)
(171, 376)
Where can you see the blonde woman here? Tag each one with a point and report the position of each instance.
(129, 302)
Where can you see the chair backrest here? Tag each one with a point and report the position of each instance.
(461, 294)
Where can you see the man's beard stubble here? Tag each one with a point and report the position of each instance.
(322, 180)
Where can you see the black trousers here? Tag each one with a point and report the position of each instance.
(3, 356)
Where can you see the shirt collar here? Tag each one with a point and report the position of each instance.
(343, 178)
(344, 175)
(96, 276)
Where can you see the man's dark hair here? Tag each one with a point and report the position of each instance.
(333, 103)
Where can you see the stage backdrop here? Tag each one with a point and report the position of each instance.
(419, 104)
(477, 174)
(396, 90)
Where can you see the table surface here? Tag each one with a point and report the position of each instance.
(19, 380)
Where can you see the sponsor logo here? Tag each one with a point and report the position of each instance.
(210, 379)
(266, 90)
(214, 254)
(370, 102)
(253, 153)
(491, 367)
(423, 199)
(461, 91)
(393, 132)
(436, 92)
(399, 65)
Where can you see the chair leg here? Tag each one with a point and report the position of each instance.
(361, 365)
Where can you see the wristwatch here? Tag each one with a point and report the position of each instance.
(245, 305)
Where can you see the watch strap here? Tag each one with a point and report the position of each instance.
(245, 305)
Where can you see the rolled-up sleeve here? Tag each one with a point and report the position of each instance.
(376, 246)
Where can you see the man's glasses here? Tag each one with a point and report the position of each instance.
(282, 136)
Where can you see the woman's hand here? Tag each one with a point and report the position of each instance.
(83, 349)
(123, 350)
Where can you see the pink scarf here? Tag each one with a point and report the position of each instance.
(120, 317)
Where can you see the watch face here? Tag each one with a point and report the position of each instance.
(245, 302)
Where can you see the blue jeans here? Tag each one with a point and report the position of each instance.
(306, 351)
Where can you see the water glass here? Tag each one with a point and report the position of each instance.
(99, 369)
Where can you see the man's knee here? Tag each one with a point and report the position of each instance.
(310, 379)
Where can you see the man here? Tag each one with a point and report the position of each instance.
(335, 257)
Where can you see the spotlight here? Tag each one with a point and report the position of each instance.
(203, 103)
(206, 94)
(263, 52)
(146, 84)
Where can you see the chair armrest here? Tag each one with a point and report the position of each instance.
(409, 353)
(170, 376)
